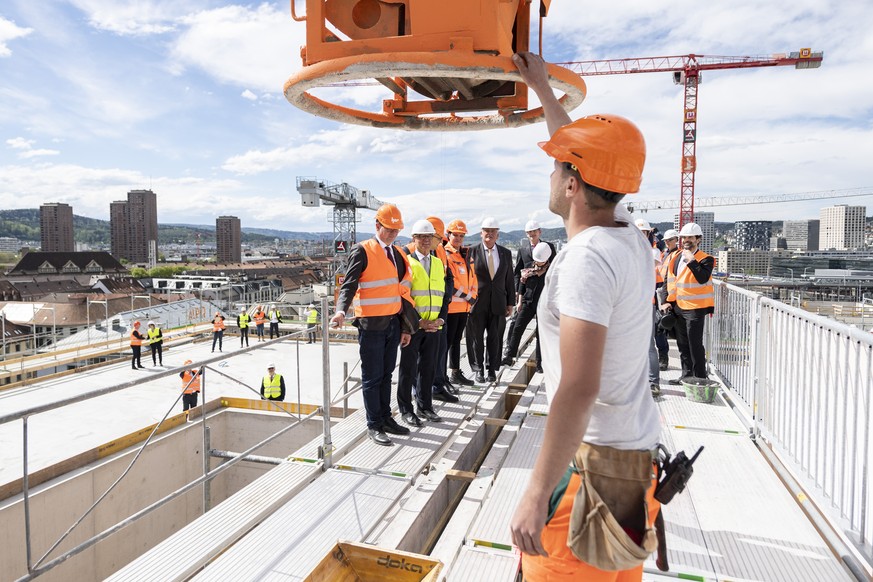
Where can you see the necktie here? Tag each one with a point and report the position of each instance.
(425, 262)
(490, 262)
(390, 254)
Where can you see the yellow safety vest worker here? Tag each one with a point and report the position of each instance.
(689, 293)
(272, 388)
(312, 317)
(379, 290)
(244, 320)
(428, 288)
(155, 335)
(466, 283)
(194, 386)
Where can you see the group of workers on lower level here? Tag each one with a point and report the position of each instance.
(153, 338)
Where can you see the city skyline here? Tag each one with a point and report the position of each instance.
(185, 99)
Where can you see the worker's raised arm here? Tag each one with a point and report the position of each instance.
(533, 71)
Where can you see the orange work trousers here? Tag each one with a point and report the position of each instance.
(561, 565)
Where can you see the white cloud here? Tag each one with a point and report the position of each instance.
(237, 45)
(135, 17)
(249, 95)
(19, 143)
(10, 31)
(37, 153)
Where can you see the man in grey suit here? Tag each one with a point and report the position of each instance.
(493, 264)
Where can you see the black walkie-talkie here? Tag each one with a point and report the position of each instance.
(676, 473)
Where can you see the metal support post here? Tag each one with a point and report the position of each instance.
(325, 372)
(25, 486)
(345, 389)
(205, 450)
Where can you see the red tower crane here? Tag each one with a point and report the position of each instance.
(686, 70)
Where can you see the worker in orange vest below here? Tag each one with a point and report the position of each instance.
(691, 272)
(217, 330)
(136, 341)
(466, 290)
(588, 510)
(190, 387)
(260, 319)
(377, 284)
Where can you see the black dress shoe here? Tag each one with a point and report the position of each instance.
(430, 415)
(411, 419)
(444, 396)
(492, 377)
(507, 361)
(458, 377)
(391, 427)
(379, 437)
(480, 377)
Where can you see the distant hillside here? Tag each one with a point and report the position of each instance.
(24, 224)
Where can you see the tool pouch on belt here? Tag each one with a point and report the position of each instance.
(612, 495)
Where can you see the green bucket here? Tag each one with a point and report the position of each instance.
(700, 389)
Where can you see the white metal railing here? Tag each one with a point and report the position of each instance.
(806, 382)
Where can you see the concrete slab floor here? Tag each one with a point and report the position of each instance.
(62, 433)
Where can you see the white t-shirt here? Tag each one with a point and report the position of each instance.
(605, 276)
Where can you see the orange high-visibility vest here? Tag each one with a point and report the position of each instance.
(689, 293)
(260, 318)
(379, 290)
(194, 386)
(218, 324)
(466, 283)
(135, 341)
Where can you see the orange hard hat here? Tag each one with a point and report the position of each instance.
(136, 324)
(438, 225)
(608, 151)
(457, 225)
(388, 216)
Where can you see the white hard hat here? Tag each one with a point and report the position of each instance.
(671, 233)
(531, 225)
(490, 222)
(691, 229)
(271, 366)
(151, 323)
(542, 252)
(423, 227)
(643, 224)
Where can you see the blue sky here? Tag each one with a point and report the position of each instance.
(98, 97)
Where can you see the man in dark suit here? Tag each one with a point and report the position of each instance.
(493, 265)
(529, 277)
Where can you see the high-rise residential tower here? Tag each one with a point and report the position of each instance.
(56, 227)
(134, 226)
(801, 235)
(841, 227)
(228, 239)
(753, 234)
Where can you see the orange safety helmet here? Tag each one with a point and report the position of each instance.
(389, 216)
(136, 324)
(608, 151)
(438, 225)
(457, 225)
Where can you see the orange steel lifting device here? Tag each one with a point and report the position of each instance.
(686, 71)
(453, 54)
